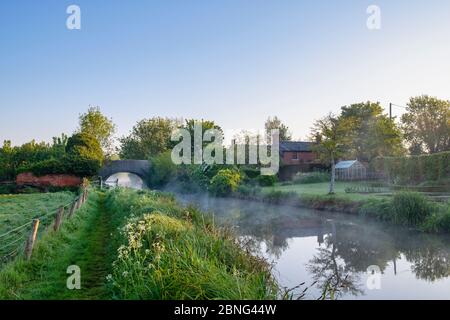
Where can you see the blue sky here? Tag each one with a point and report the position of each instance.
(233, 61)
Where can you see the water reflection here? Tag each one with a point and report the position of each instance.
(328, 249)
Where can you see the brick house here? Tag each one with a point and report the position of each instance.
(297, 156)
(296, 152)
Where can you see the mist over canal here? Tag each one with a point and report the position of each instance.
(318, 247)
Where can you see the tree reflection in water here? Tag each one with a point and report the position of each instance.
(330, 272)
(347, 245)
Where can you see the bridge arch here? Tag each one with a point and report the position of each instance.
(141, 168)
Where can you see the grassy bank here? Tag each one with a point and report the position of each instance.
(166, 251)
(138, 245)
(403, 208)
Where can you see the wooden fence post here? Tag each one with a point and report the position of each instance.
(78, 203)
(31, 239)
(58, 218)
(72, 209)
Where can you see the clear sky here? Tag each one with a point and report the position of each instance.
(233, 61)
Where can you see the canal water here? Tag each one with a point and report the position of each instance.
(362, 258)
(126, 180)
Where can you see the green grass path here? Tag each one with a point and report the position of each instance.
(82, 241)
(93, 258)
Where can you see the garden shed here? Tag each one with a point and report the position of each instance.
(350, 170)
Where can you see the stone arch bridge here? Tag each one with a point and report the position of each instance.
(140, 168)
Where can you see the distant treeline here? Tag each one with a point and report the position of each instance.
(79, 154)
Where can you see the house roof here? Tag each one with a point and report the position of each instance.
(295, 146)
(345, 164)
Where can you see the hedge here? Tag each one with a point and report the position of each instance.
(414, 169)
(67, 165)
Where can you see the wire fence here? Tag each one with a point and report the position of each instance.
(21, 239)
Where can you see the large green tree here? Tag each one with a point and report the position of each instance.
(94, 123)
(205, 125)
(331, 136)
(149, 137)
(372, 133)
(427, 124)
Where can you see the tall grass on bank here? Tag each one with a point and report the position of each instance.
(411, 208)
(166, 251)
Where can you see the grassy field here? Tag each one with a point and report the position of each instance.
(18, 210)
(321, 188)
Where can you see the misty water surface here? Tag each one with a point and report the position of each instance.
(310, 246)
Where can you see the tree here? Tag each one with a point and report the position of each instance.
(331, 136)
(6, 164)
(426, 124)
(59, 146)
(84, 145)
(94, 123)
(373, 134)
(84, 154)
(149, 137)
(205, 125)
(273, 124)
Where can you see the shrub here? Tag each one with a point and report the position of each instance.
(252, 173)
(377, 208)
(191, 179)
(411, 208)
(7, 188)
(311, 177)
(225, 182)
(162, 170)
(49, 166)
(75, 165)
(82, 167)
(267, 180)
(439, 221)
